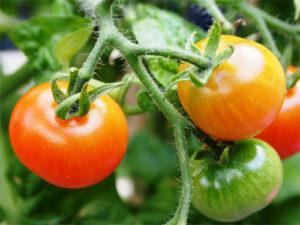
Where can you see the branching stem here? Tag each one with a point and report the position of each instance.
(214, 10)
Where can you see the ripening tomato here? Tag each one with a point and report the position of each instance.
(73, 153)
(284, 133)
(246, 183)
(243, 96)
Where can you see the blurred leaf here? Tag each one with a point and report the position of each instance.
(62, 7)
(7, 22)
(37, 37)
(156, 27)
(297, 9)
(161, 203)
(149, 158)
(291, 179)
(145, 101)
(292, 80)
(71, 43)
(10, 201)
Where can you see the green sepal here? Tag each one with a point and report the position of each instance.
(84, 101)
(73, 79)
(223, 56)
(213, 41)
(190, 45)
(57, 93)
(198, 164)
(102, 90)
(70, 107)
(292, 80)
(225, 155)
(200, 77)
(182, 76)
(67, 109)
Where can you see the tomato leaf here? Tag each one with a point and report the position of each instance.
(71, 43)
(156, 162)
(291, 179)
(62, 7)
(145, 101)
(38, 37)
(156, 27)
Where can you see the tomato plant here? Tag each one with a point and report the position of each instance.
(284, 133)
(243, 96)
(72, 132)
(245, 182)
(73, 153)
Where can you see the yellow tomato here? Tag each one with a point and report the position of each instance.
(243, 96)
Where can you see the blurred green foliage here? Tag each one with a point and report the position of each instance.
(150, 163)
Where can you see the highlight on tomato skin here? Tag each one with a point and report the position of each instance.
(284, 133)
(74, 153)
(243, 96)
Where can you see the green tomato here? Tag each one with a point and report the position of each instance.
(247, 182)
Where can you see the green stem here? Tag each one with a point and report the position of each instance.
(171, 52)
(277, 23)
(274, 22)
(86, 72)
(181, 214)
(178, 122)
(132, 110)
(252, 13)
(152, 88)
(214, 10)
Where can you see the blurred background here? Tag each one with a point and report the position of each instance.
(145, 187)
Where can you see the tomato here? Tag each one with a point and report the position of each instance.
(246, 183)
(243, 95)
(73, 153)
(284, 133)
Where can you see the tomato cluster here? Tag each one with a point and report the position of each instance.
(73, 153)
(243, 96)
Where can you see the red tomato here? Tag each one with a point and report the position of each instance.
(75, 153)
(243, 96)
(284, 132)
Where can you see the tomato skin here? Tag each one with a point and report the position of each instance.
(245, 184)
(243, 96)
(75, 153)
(284, 133)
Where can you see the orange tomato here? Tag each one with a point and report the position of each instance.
(284, 133)
(75, 153)
(243, 96)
